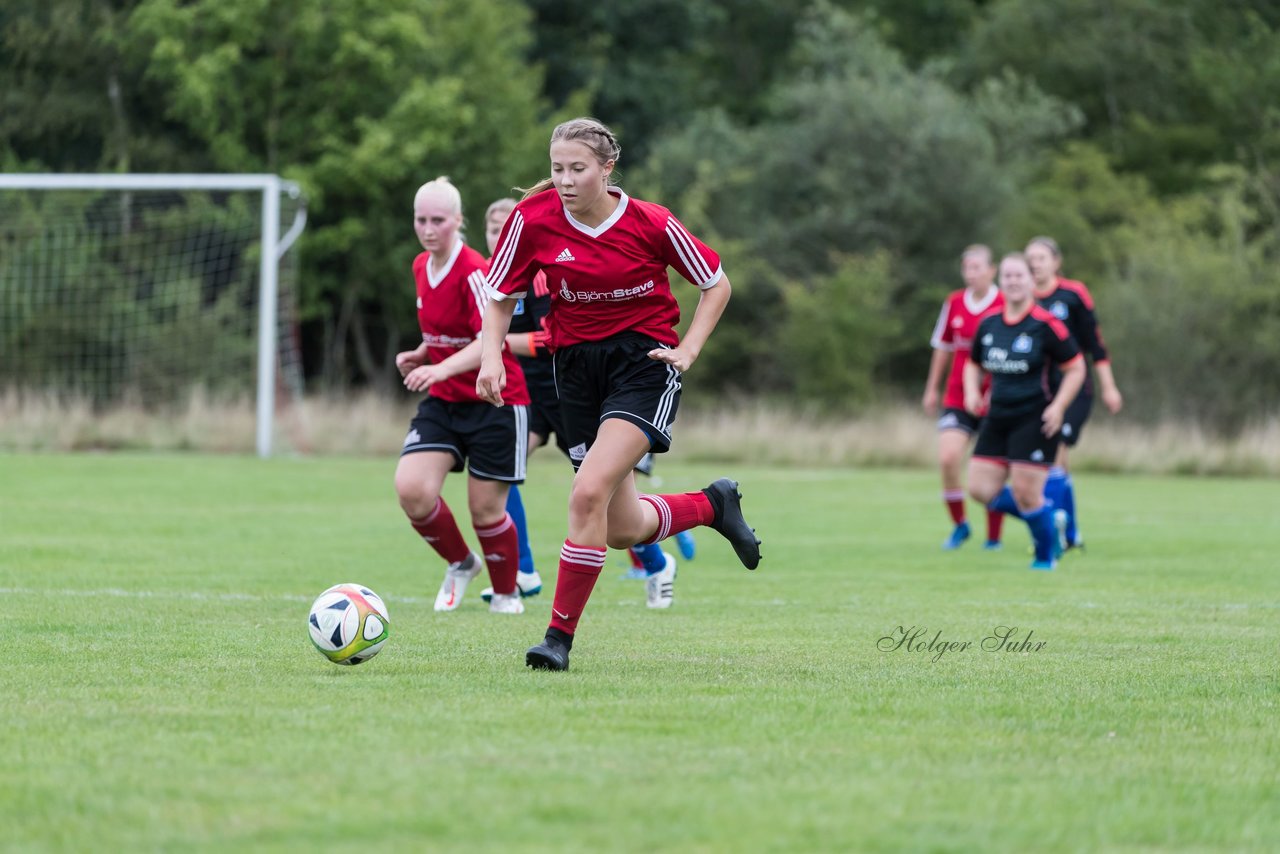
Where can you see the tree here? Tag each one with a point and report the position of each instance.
(362, 102)
(859, 154)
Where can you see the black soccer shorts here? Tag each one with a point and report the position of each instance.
(1016, 439)
(615, 378)
(491, 442)
(958, 419)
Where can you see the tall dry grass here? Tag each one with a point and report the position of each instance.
(773, 434)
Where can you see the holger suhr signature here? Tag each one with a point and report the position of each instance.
(919, 639)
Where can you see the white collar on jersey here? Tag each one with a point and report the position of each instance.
(976, 307)
(608, 223)
(434, 280)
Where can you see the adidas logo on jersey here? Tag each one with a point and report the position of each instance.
(565, 255)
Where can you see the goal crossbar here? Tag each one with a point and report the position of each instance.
(273, 248)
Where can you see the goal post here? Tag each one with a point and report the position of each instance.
(272, 247)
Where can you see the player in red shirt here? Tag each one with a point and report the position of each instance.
(952, 339)
(1023, 426)
(1071, 303)
(618, 359)
(453, 427)
(528, 338)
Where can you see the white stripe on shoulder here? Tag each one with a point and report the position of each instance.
(500, 267)
(688, 251)
(479, 290)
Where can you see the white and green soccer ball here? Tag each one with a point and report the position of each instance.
(349, 623)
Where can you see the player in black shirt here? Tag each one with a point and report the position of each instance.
(1071, 303)
(1020, 435)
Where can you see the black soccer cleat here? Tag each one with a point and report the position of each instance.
(726, 501)
(551, 654)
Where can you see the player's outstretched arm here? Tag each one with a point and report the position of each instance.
(1072, 379)
(1111, 396)
(492, 378)
(972, 387)
(409, 360)
(705, 317)
(937, 364)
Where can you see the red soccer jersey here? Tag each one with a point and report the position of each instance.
(450, 308)
(957, 324)
(603, 280)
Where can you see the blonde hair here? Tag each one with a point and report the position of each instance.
(500, 206)
(444, 187)
(591, 132)
(978, 249)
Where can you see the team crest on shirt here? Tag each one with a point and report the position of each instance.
(1022, 344)
(957, 322)
(1059, 310)
(987, 340)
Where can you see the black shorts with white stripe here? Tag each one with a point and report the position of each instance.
(491, 442)
(615, 378)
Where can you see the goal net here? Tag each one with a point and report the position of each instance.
(144, 291)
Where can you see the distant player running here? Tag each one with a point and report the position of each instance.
(1022, 429)
(952, 338)
(1069, 301)
(453, 428)
(618, 359)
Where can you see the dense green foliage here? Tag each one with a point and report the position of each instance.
(161, 692)
(838, 150)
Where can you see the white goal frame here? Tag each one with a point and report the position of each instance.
(274, 245)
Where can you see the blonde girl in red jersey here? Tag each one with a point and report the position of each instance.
(618, 359)
(453, 428)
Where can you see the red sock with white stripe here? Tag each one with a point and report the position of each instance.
(440, 531)
(501, 545)
(954, 499)
(680, 512)
(579, 568)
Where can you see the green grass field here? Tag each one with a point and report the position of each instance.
(160, 692)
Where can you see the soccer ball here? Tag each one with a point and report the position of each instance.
(349, 623)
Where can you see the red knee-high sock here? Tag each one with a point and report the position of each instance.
(501, 547)
(954, 499)
(579, 568)
(995, 521)
(440, 531)
(680, 512)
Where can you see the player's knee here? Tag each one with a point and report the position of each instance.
(982, 492)
(416, 499)
(1027, 496)
(622, 539)
(487, 512)
(588, 499)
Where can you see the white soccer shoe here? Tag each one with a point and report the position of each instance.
(456, 579)
(528, 583)
(659, 588)
(506, 604)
